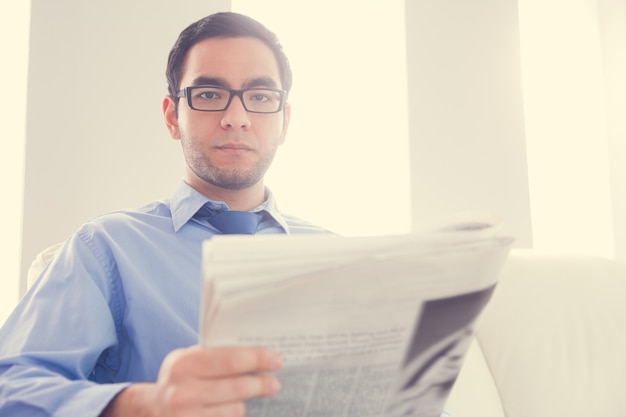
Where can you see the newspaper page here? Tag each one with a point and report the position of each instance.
(367, 326)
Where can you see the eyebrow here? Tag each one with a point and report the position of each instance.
(255, 82)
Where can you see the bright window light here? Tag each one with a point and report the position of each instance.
(566, 127)
(14, 29)
(346, 161)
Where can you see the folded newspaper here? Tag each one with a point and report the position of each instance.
(367, 326)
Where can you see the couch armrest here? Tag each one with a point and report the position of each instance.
(474, 393)
(554, 336)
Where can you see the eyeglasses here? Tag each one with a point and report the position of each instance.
(254, 100)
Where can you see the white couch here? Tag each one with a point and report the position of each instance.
(551, 343)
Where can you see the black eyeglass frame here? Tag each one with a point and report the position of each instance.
(186, 92)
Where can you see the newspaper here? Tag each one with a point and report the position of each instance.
(367, 326)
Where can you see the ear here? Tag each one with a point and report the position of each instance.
(286, 118)
(171, 119)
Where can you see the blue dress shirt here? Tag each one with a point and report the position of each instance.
(122, 293)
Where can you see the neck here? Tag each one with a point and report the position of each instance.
(244, 199)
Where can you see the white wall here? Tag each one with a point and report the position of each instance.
(468, 150)
(95, 137)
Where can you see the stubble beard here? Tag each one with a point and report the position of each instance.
(228, 178)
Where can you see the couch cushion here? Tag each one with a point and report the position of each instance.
(40, 262)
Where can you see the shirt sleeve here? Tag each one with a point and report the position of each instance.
(58, 348)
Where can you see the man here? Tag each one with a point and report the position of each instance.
(110, 328)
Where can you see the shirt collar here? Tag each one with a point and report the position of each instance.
(186, 201)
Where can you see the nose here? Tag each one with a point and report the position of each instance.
(235, 116)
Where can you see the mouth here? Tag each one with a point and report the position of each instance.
(234, 148)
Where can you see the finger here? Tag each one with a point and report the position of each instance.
(239, 388)
(206, 393)
(200, 362)
(226, 410)
(237, 409)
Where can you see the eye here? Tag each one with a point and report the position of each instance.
(259, 97)
(208, 95)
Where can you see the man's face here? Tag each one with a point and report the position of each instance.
(230, 149)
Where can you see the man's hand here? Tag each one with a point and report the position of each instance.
(196, 381)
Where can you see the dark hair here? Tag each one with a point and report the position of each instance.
(223, 25)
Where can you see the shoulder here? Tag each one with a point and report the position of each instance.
(103, 239)
(151, 212)
(301, 226)
(126, 228)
